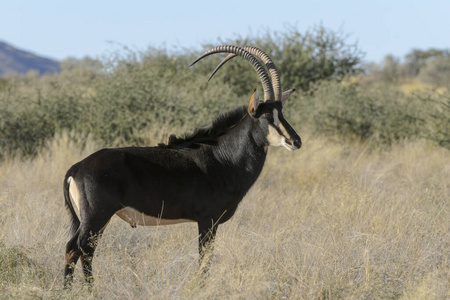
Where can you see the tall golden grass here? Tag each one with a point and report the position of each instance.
(330, 221)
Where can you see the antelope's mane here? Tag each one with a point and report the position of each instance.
(207, 134)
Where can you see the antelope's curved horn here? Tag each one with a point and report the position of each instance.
(274, 74)
(263, 76)
(229, 57)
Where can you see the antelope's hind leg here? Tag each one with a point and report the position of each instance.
(88, 240)
(82, 245)
(71, 257)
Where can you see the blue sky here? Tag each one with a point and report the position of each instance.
(60, 29)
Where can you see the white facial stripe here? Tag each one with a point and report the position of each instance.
(283, 130)
(278, 133)
(277, 123)
(276, 119)
(274, 138)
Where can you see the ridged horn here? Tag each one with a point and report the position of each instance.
(270, 65)
(226, 59)
(260, 70)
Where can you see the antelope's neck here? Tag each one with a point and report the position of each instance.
(242, 148)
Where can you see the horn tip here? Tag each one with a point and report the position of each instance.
(194, 62)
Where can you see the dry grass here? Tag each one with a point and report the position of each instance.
(329, 221)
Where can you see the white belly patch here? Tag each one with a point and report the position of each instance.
(135, 217)
(74, 196)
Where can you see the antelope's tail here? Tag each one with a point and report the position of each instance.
(75, 222)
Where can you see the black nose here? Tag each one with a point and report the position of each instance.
(298, 143)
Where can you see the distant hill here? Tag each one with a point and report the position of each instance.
(16, 61)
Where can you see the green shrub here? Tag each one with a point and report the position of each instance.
(436, 72)
(120, 98)
(381, 113)
(436, 109)
(302, 58)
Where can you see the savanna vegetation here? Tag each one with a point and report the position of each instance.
(360, 212)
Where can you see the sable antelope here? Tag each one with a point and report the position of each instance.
(200, 177)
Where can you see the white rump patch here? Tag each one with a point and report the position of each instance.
(74, 196)
(135, 217)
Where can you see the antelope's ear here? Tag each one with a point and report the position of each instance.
(254, 103)
(285, 96)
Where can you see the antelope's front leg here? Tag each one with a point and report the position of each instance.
(207, 229)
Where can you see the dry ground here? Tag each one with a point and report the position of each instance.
(330, 221)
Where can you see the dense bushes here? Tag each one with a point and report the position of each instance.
(113, 104)
(430, 66)
(118, 100)
(304, 58)
(381, 113)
